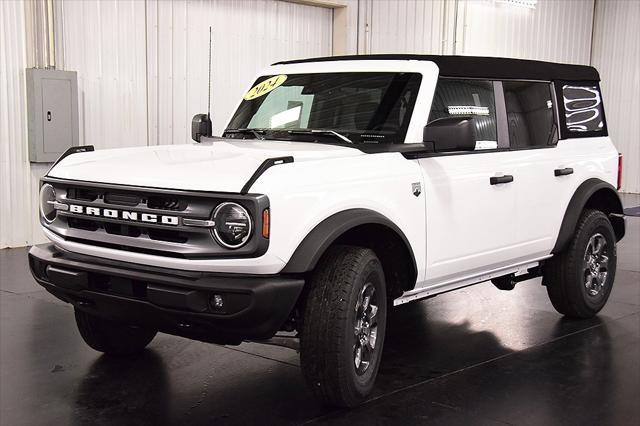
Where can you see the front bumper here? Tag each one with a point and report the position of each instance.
(172, 301)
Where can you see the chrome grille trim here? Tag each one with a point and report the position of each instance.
(198, 223)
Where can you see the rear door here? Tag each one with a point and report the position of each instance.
(471, 221)
(545, 173)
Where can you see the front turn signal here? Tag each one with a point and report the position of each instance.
(265, 223)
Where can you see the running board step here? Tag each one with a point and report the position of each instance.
(508, 282)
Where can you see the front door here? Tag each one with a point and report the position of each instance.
(470, 196)
(471, 223)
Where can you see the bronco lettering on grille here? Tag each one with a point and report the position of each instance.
(124, 215)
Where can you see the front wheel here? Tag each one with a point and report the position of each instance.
(343, 327)
(579, 280)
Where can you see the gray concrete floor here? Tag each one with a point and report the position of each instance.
(474, 356)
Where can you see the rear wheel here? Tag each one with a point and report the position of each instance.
(579, 280)
(344, 326)
(111, 337)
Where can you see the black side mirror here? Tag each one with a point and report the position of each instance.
(200, 126)
(451, 134)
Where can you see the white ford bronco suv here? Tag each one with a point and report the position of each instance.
(340, 188)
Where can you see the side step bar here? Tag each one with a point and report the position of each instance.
(445, 286)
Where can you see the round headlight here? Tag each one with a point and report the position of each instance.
(47, 200)
(233, 225)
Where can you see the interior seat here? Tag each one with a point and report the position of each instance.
(518, 130)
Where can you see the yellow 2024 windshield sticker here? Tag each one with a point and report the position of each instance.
(265, 87)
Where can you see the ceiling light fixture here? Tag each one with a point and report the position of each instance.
(529, 4)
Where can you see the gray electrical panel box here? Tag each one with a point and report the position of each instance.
(52, 103)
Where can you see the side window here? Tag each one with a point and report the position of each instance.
(471, 98)
(529, 114)
(582, 108)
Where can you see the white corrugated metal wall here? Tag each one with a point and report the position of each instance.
(616, 54)
(553, 31)
(12, 128)
(408, 26)
(104, 41)
(558, 31)
(18, 179)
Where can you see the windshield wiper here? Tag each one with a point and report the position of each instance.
(320, 132)
(260, 133)
(254, 132)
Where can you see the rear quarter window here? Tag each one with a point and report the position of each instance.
(582, 113)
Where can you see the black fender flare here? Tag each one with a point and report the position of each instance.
(313, 246)
(580, 200)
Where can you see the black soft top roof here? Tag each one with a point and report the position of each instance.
(482, 67)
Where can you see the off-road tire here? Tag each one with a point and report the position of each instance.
(564, 273)
(110, 337)
(328, 341)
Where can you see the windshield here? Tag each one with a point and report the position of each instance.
(338, 108)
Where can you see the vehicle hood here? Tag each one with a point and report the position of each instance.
(221, 165)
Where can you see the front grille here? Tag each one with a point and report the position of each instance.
(85, 224)
(122, 199)
(158, 238)
(82, 194)
(167, 235)
(121, 229)
(165, 203)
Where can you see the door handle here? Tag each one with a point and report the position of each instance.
(563, 172)
(497, 180)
